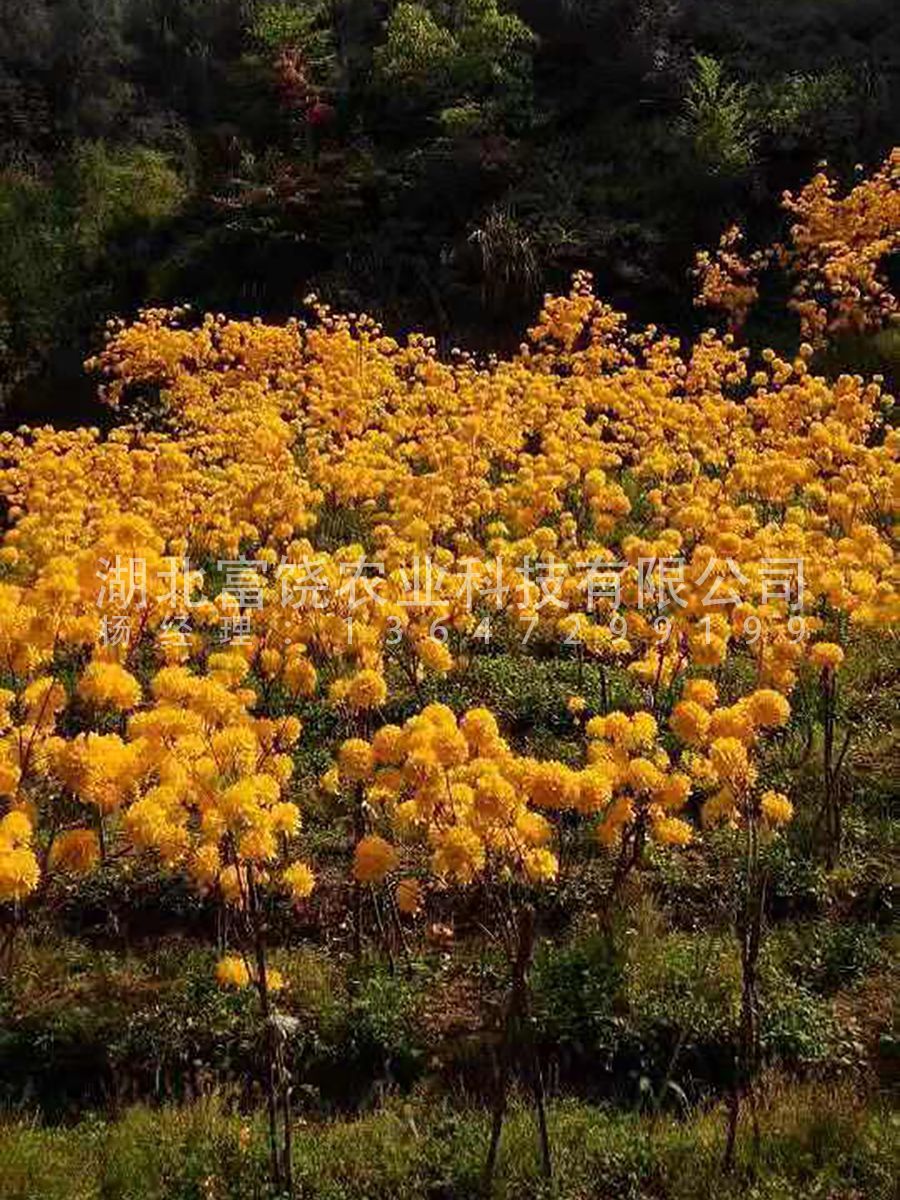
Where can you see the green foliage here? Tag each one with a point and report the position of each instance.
(718, 119)
(826, 956)
(55, 232)
(192, 1032)
(453, 115)
(796, 882)
(129, 900)
(531, 704)
(39, 251)
(576, 993)
(461, 50)
(791, 103)
(310, 28)
(688, 983)
(799, 1029)
(647, 1013)
(654, 1012)
(85, 1027)
(418, 52)
(381, 1035)
(462, 120)
(280, 25)
(118, 190)
(82, 1027)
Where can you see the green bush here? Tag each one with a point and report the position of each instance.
(86, 1027)
(719, 119)
(825, 956)
(377, 1041)
(117, 190)
(577, 998)
(646, 1011)
(454, 53)
(801, 1031)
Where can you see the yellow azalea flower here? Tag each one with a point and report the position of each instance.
(674, 792)
(643, 731)
(644, 776)
(367, 689)
(434, 654)
(285, 818)
(701, 691)
(275, 981)
(827, 655)
(671, 831)
(373, 859)
(728, 757)
(533, 829)
(76, 851)
(768, 708)
(775, 808)
(690, 722)
(16, 830)
(734, 722)
(720, 807)
(409, 896)
(540, 865)
(553, 785)
(355, 760)
(300, 675)
(459, 854)
(299, 880)
(479, 727)
(232, 972)
(595, 786)
(387, 745)
(330, 782)
(205, 865)
(19, 872)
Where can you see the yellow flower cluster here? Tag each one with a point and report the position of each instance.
(213, 777)
(718, 745)
(234, 972)
(456, 787)
(510, 472)
(644, 790)
(837, 249)
(19, 871)
(728, 282)
(835, 256)
(109, 684)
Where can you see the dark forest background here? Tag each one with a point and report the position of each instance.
(439, 164)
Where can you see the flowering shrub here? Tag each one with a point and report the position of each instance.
(835, 258)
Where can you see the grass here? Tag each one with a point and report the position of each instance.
(817, 1141)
